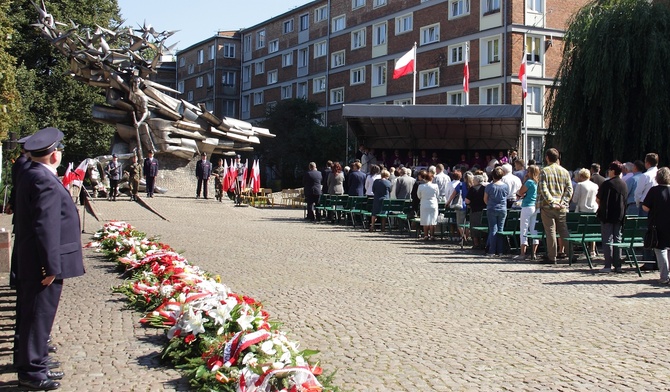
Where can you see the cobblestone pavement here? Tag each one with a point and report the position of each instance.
(388, 312)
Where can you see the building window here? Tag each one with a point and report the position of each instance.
(430, 34)
(491, 51)
(319, 85)
(533, 48)
(378, 74)
(458, 8)
(491, 6)
(258, 98)
(429, 78)
(189, 95)
(320, 14)
(304, 22)
(228, 78)
(357, 76)
(272, 76)
(182, 62)
(491, 95)
(191, 69)
(247, 44)
(339, 23)
(288, 26)
(534, 99)
(287, 59)
(378, 3)
(337, 59)
(259, 67)
(403, 24)
(198, 81)
(357, 4)
(320, 49)
(286, 92)
(229, 51)
(303, 57)
(534, 5)
(455, 98)
(379, 34)
(301, 90)
(456, 54)
(229, 108)
(212, 53)
(337, 95)
(210, 80)
(273, 46)
(209, 106)
(201, 56)
(357, 39)
(246, 103)
(260, 39)
(180, 86)
(246, 73)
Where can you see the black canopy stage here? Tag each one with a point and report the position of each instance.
(435, 127)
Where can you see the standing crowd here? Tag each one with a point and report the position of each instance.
(507, 183)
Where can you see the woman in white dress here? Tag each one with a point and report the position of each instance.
(427, 193)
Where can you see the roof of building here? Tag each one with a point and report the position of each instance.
(484, 127)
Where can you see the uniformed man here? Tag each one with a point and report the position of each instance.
(239, 180)
(134, 171)
(20, 165)
(203, 169)
(114, 172)
(219, 174)
(48, 243)
(150, 171)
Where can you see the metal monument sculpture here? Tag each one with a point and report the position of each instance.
(142, 111)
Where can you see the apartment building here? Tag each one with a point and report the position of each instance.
(208, 73)
(339, 52)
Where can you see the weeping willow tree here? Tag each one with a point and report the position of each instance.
(611, 95)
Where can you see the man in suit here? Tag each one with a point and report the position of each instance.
(203, 169)
(150, 172)
(402, 188)
(48, 242)
(312, 183)
(595, 174)
(356, 180)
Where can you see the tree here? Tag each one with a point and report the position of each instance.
(50, 96)
(300, 139)
(10, 99)
(611, 95)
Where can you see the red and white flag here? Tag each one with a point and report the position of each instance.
(523, 77)
(231, 176)
(255, 177)
(246, 173)
(75, 178)
(404, 65)
(225, 182)
(466, 76)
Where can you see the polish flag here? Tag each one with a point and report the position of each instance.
(75, 178)
(466, 76)
(255, 177)
(404, 65)
(523, 77)
(225, 182)
(232, 175)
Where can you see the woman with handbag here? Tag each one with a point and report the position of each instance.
(528, 217)
(657, 204)
(457, 203)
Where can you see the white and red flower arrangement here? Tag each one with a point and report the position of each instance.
(224, 341)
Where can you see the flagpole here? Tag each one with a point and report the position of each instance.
(525, 109)
(414, 77)
(467, 61)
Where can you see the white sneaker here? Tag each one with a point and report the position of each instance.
(605, 269)
(518, 257)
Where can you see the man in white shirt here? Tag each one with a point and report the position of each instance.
(445, 189)
(647, 180)
(512, 182)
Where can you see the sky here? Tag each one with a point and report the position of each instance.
(201, 19)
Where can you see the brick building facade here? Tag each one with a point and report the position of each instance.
(337, 52)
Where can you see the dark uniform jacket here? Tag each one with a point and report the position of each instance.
(150, 167)
(203, 169)
(312, 183)
(48, 234)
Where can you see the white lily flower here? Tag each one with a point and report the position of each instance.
(268, 347)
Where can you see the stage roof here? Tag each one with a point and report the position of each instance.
(432, 127)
